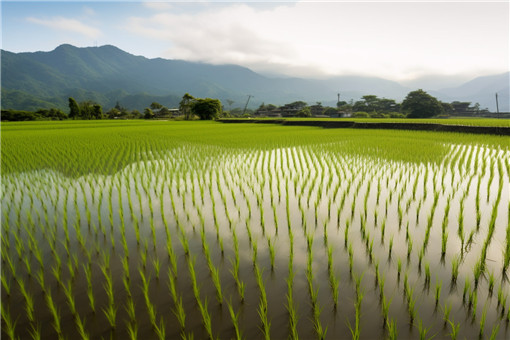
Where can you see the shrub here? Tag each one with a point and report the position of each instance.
(360, 114)
(378, 115)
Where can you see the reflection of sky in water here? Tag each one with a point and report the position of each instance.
(268, 192)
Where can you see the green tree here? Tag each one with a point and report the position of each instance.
(156, 106)
(330, 111)
(207, 108)
(97, 111)
(420, 104)
(148, 114)
(304, 112)
(186, 105)
(74, 109)
(447, 108)
(360, 114)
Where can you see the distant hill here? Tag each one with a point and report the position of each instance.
(109, 75)
(482, 90)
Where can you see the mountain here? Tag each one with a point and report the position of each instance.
(109, 75)
(482, 90)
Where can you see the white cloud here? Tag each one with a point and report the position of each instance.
(67, 25)
(393, 40)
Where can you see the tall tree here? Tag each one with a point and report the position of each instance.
(420, 104)
(156, 106)
(186, 105)
(147, 113)
(207, 108)
(97, 111)
(74, 109)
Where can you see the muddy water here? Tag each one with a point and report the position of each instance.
(278, 195)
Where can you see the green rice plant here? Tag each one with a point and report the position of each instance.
(491, 283)
(6, 284)
(206, 318)
(494, 332)
(427, 273)
(160, 329)
(346, 233)
(444, 241)
(317, 325)
(156, 266)
(132, 330)
(439, 285)
(80, 325)
(35, 332)
(235, 320)
(409, 248)
(270, 245)
(55, 314)
(482, 322)
(68, 292)
(130, 309)
(392, 330)
(57, 272)
(390, 248)
(422, 330)
(446, 313)
(351, 258)
(383, 229)
(194, 284)
(260, 284)
(110, 312)
(217, 284)
(40, 279)
(455, 268)
(385, 306)
(473, 302)
(333, 282)
(478, 271)
(455, 327)
(356, 330)
(265, 323)
(291, 308)
(399, 268)
(9, 326)
(254, 253)
(180, 313)
(411, 301)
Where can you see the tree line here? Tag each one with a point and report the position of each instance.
(417, 104)
(189, 108)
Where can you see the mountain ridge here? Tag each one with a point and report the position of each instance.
(108, 75)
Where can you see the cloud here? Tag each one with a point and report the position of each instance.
(393, 40)
(67, 25)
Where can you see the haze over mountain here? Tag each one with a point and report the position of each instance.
(109, 75)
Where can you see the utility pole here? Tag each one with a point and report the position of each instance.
(497, 105)
(249, 96)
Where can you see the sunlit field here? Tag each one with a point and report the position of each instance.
(209, 230)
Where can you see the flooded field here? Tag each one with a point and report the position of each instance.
(316, 234)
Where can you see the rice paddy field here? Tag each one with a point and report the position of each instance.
(157, 230)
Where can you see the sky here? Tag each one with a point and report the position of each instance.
(401, 41)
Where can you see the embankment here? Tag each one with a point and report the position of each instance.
(331, 124)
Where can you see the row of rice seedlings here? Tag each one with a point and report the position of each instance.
(356, 329)
(263, 306)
